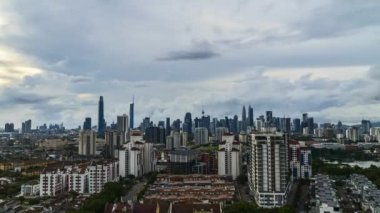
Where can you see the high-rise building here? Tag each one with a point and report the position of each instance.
(229, 157)
(26, 126)
(244, 119)
(187, 123)
(297, 126)
(352, 134)
(101, 121)
(132, 114)
(201, 135)
(87, 142)
(168, 128)
(87, 124)
(299, 160)
(310, 125)
(268, 169)
(219, 132)
(9, 127)
(250, 116)
(122, 123)
(269, 117)
(366, 126)
(114, 142)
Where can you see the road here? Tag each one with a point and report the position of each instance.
(132, 194)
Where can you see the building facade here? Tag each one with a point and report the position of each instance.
(268, 169)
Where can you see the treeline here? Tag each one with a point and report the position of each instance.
(372, 173)
(342, 155)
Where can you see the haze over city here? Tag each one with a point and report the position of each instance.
(58, 57)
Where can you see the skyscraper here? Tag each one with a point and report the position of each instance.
(87, 124)
(101, 121)
(244, 119)
(168, 129)
(268, 169)
(269, 117)
(297, 126)
(131, 114)
(250, 116)
(187, 123)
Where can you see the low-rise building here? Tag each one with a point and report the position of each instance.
(325, 195)
(30, 189)
(191, 189)
(368, 192)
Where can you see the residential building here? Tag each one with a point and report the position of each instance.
(201, 135)
(100, 174)
(229, 157)
(30, 189)
(268, 169)
(87, 142)
(325, 195)
(299, 160)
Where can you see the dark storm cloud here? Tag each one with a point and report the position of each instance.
(29, 99)
(189, 55)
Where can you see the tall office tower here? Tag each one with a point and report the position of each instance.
(87, 124)
(235, 125)
(214, 124)
(310, 125)
(244, 119)
(304, 120)
(122, 123)
(114, 142)
(228, 124)
(268, 169)
(201, 135)
(366, 126)
(297, 126)
(168, 128)
(285, 125)
(177, 125)
(9, 127)
(187, 123)
(269, 117)
(132, 114)
(87, 142)
(26, 126)
(229, 157)
(250, 116)
(205, 122)
(101, 121)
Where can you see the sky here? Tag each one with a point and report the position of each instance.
(174, 56)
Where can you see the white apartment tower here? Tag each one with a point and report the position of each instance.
(87, 142)
(229, 157)
(268, 169)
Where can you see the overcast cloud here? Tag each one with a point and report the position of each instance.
(174, 56)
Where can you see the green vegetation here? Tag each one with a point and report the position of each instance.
(111, 193)
(13, 189)
(341, 155)
(152, 178)
(245, 207)
(372, 173)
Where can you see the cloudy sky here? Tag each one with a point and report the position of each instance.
(58, 57)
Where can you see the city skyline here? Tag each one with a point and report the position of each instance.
(220, 55)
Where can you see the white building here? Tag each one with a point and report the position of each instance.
(30, 189)
(52, 183)
(87, 142)
(352, 134)
(78, 180)
(375, 132)
(300, 161)
(102, 173)
(136, 159)
(229, 157)
(201, 135)
(122, 125)
(268, 169)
